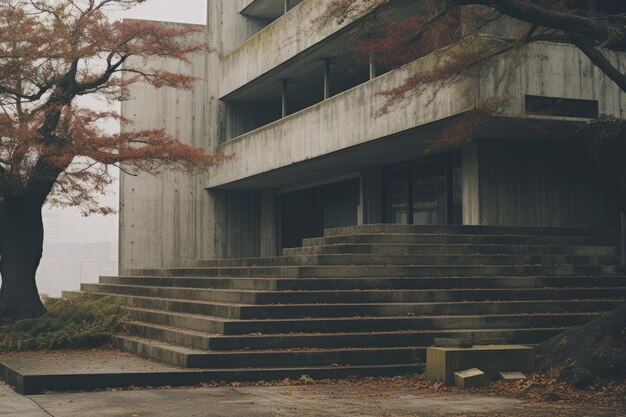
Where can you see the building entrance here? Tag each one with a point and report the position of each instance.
(424, 192)
(306, 213)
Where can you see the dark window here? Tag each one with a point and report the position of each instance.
(306, 213)
(566, 107)
(424, 192)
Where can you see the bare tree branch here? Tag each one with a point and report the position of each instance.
(594, 28)
(600, 60)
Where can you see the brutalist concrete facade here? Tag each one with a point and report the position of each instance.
(300, 111)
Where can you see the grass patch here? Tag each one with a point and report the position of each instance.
(83, 322)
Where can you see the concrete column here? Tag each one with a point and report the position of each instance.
(373, 73)
(470, 184)
(284, 98)
(286, 5)
(623, 230)
(326, 78)
(268, 223)
(371, 199)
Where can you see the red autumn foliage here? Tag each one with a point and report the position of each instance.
(591, 25)
(52, 149)
(53, 53)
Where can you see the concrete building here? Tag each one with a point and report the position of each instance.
(297, 106)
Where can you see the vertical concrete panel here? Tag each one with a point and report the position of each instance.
(541, 184)
(470, 187)
(268, 227)
(165, 218)
(371, 201)
(237, 219)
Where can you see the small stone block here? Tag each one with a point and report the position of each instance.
(512, 376)
(470, 378)
(484, 342)
(454, 343)
(443, 362)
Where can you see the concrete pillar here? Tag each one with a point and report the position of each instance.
(268, 224)
(470, 184)
(371, 199)
(326, 78)
(284, 98)
(373, 73)
(623, 230)
(286, 6)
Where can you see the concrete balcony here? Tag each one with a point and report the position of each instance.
(285, 38)
(344, 133)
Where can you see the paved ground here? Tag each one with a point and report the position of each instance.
(81, 362)
(318, 400)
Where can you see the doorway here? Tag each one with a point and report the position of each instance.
(425, 192)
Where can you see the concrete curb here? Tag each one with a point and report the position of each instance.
(33, 384)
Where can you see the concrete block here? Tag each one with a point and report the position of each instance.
(447, 342)
(511, 376)
(442, 363)
(470, 378)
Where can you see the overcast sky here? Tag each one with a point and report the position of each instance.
(74, 227)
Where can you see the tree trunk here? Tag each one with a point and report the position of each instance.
(21, 247)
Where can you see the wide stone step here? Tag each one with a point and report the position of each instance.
(199, 322)
(371, 283)
(366, 339)
(396, 260)
(238, 364)
(193, 358)
(239, 311)
(206, 341)
(347, 271)
(468, 229)
(459, 249)
(221, 325)
(358, 296)
(469, 239)
(329, 325)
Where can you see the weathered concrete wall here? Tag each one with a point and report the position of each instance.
(470, 187)
(170, 217)
(342, 121)
(540, 69)
(552, 70)
(237, 219)
(541, 184)
(167, 217)
(282, 40)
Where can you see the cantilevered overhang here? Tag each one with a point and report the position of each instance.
(290, 45)
(405, 146)
(320, 140)
(266, 9)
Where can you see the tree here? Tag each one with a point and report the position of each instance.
(52, 149)
(453, 29)
(595, 350)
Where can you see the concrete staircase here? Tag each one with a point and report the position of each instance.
(368, 300)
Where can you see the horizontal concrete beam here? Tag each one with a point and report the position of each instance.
(282, 40)
(350, 119)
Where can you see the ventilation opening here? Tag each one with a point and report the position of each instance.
(566, 107)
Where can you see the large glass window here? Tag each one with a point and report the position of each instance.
(424, 192)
